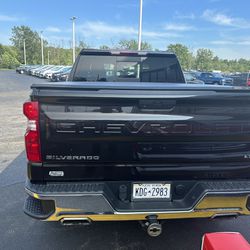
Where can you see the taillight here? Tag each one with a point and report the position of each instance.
(32, 135)
(248, 82)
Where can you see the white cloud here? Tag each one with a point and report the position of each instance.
(53, 29)
(153, 34)
(6, 18)
(58, 38)
(231, 42)
(221, 42)
(229, 53)
(178, 27)
(246, 42)
(220, 18)
(99, 30)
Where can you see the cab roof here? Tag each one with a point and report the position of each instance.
(121, 52)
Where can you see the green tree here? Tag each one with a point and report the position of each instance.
(1, 49)
(104, 47)
(133, 45)
(184, 55)
(8, 57)
(81, 45)
(32, 42)
(204, 59)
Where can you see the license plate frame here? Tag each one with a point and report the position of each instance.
(153, 184)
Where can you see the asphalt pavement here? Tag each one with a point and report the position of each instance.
(18, 231)
(14, 90)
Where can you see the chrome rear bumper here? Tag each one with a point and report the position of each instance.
(55, 202)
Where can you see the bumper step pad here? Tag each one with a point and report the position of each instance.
(38, 209)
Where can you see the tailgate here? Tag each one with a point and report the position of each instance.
(155, 127)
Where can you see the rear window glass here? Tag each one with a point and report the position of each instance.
(128, 68)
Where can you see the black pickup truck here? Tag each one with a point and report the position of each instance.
(127, 139)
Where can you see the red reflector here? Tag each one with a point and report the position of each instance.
(32, 146)
(30, 110)
(32, 136)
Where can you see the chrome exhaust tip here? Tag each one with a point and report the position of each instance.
(225, 216)
(75, 221)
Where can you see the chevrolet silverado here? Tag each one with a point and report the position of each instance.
(127, 139)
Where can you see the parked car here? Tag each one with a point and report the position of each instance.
(25, 68)
(248, 79)
(48, 73)
(215, 79)
(29, 70)
(42, 72)
(20, 69)
(62, 75)
(191, 78)
(240, 79)
(36, 70)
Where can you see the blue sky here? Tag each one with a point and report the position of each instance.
(221, 25)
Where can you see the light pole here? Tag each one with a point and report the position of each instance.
(24, 52)
(24, 48)
(42, 47)
(73, 39)
(140, 26)
(48, 56)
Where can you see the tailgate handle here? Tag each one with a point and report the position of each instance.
(166, 105)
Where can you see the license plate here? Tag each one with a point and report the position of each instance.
(151, 191)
